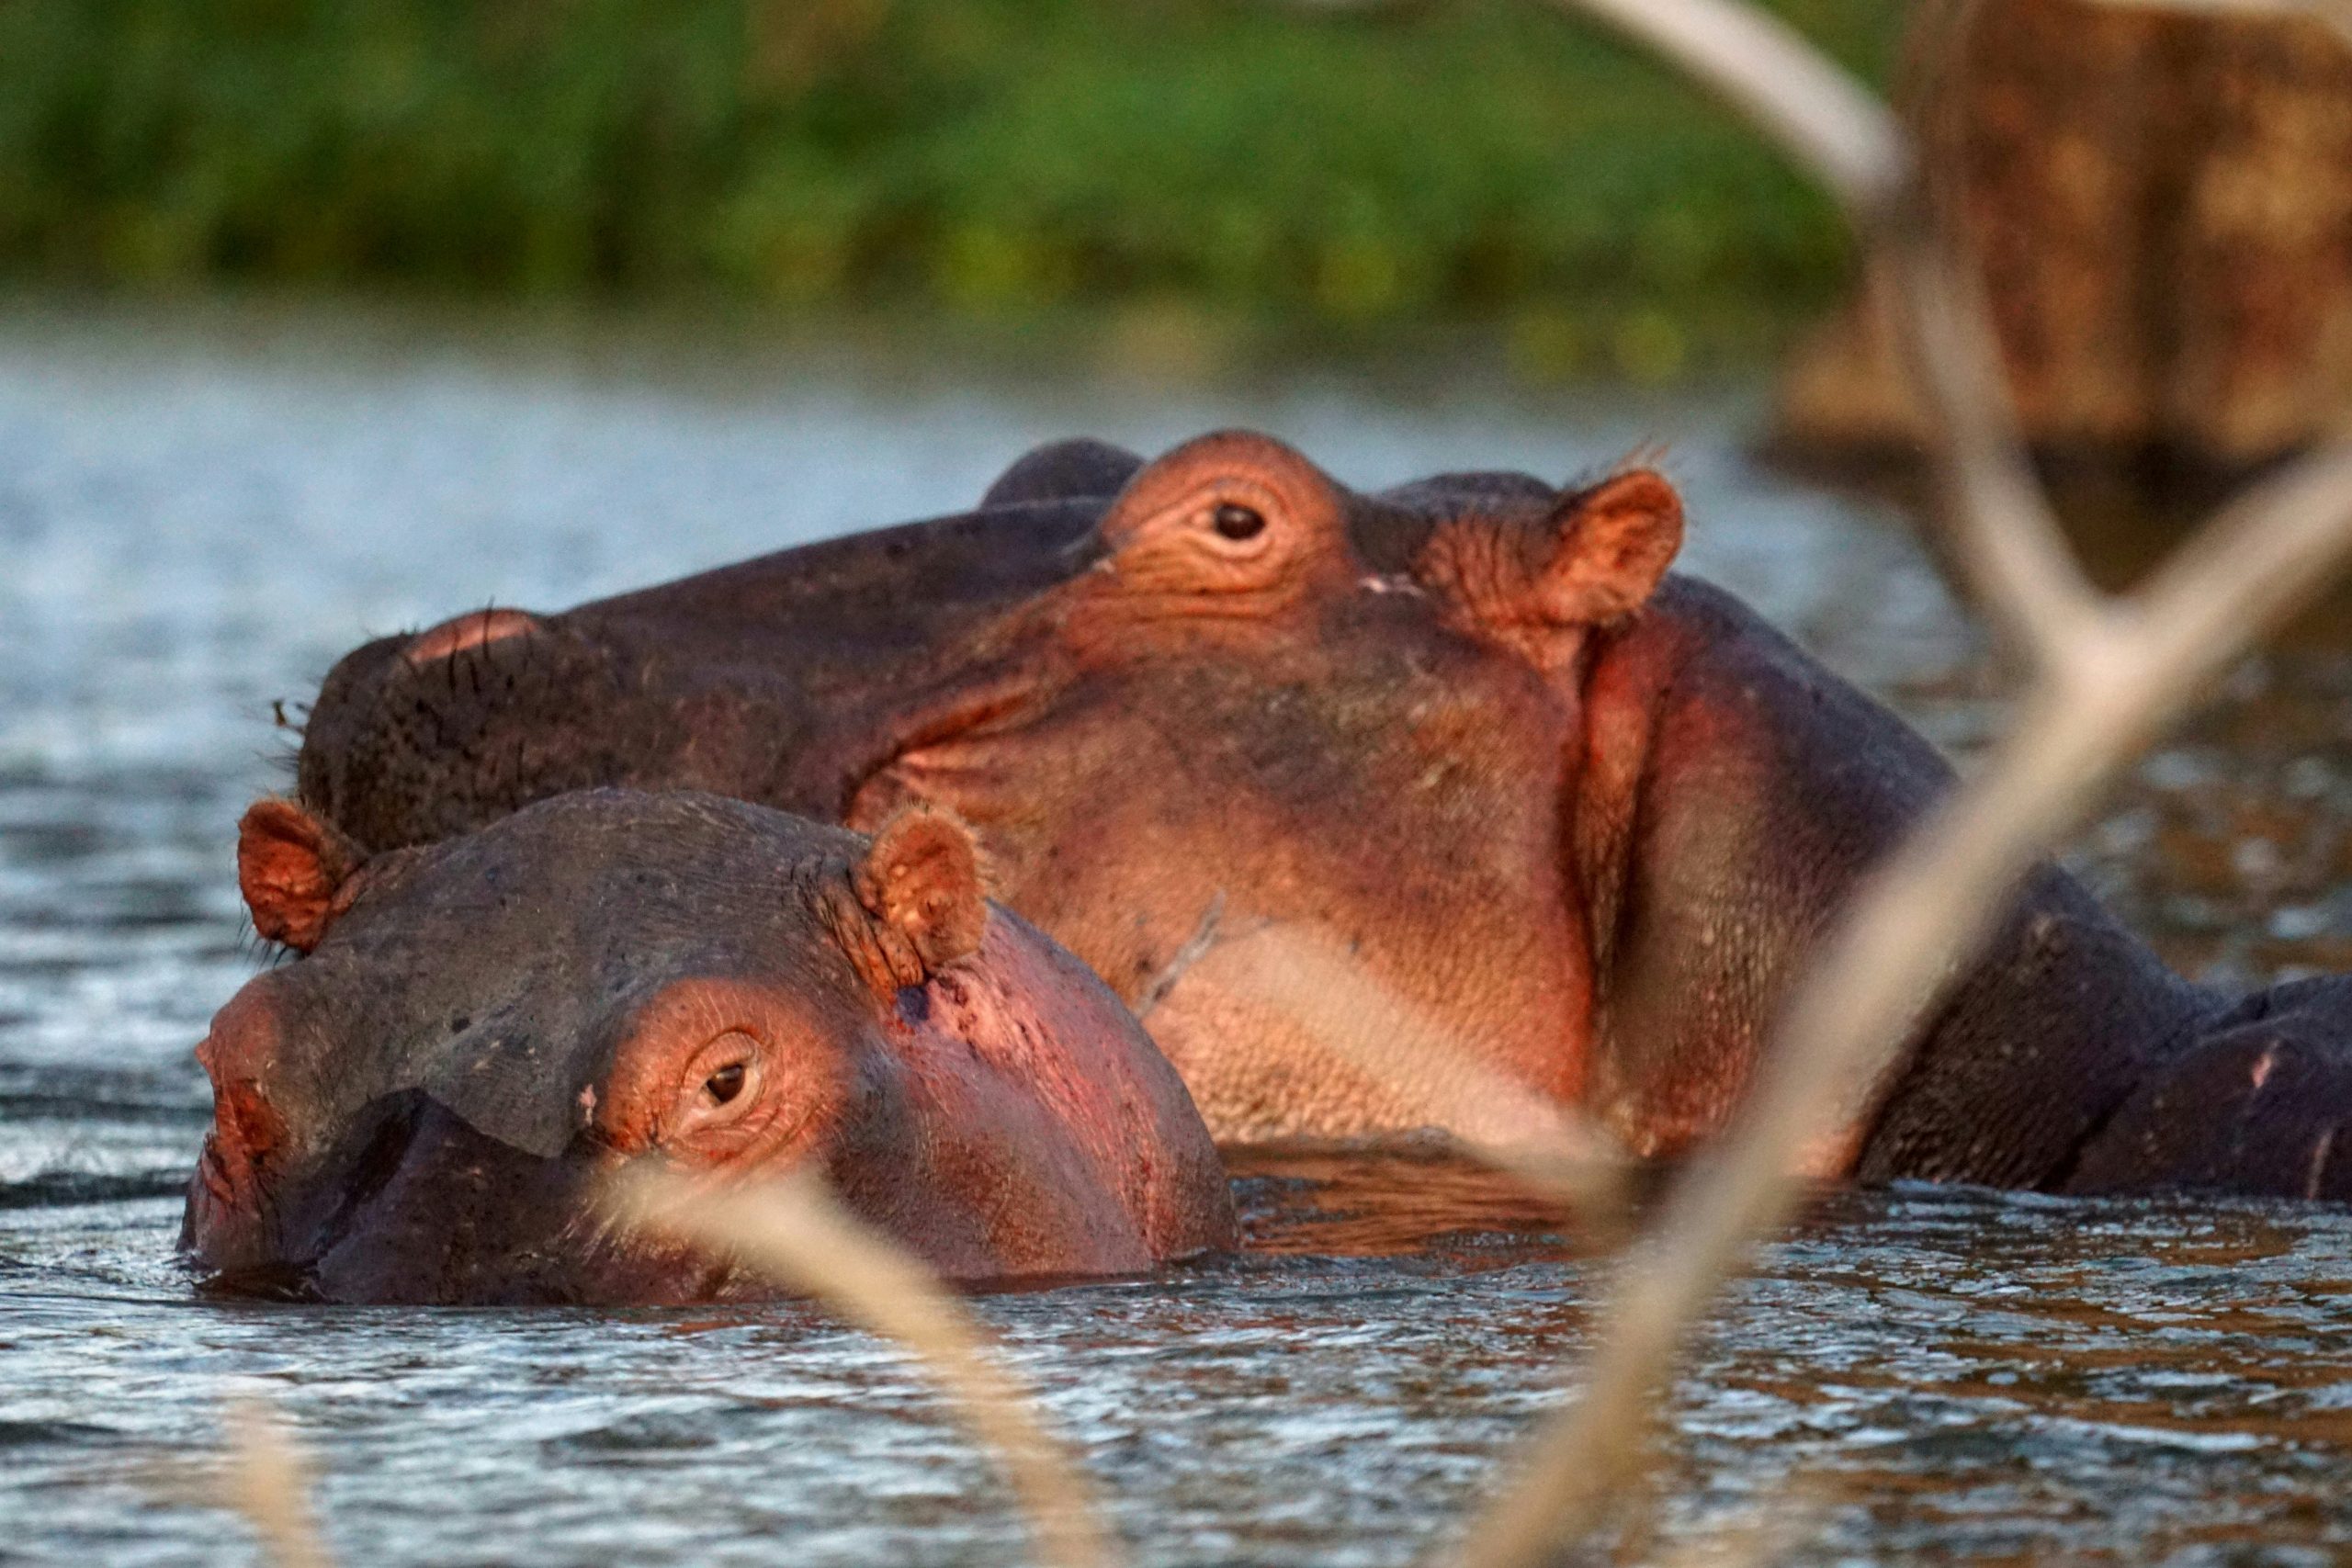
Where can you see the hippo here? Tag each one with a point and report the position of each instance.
(1585, 815)
(426, 1106)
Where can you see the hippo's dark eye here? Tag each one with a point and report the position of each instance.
(1236, 522)
(725, 1084)
(718, 1091)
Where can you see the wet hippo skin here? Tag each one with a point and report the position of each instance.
(1585, 816)
(421, 1108)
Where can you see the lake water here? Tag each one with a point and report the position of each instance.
(197, 516)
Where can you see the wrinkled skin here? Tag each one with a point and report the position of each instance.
(1578, 819)
(427, 1106)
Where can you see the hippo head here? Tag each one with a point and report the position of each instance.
(421, 1107)
(1231, 702)
(781, 680)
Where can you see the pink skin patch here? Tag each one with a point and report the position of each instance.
(2262, 1067)
(476, 628)
(237, 1054)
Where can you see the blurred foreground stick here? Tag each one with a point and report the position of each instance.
(791, 1231)
(2107, 675)
(267, 1479)
(1552, 1150)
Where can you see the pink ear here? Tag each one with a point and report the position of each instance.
(1614, 542)
(922, 877)
(289, 866)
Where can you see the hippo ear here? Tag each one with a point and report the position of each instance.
(1076, 470)
(290, 865)
(921, 877)
(1611, 543)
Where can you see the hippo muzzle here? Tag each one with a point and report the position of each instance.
(473, 1181)
(415, 1205)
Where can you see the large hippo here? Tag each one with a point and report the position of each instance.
(1586, 816)
(421, 1108)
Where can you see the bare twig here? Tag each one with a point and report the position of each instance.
(2007, 540)
(1936, 900)
(2111, 673)
(1833, 125)
(792, 1231)
(267, 1478)
(1549, 1147)
(1997, 517)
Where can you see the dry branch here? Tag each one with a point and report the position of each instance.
(793, 1232)
(2110, 675)
(267, 1478)
(1552, 1149)
(2006, 538)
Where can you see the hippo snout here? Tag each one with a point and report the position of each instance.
(228, 1194)
(309, 1190)
(417, 1206)
(431, 1210)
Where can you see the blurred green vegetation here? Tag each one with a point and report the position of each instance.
(1479, 158)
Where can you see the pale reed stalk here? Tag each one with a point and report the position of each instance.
(267, 1479)
(793, 1232)
(2110, 675)
(1551, 1148)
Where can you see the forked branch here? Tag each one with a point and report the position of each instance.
(2109, 674)
(2000, 522)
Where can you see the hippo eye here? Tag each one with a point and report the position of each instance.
(700, 1096)
(1236, 522)
(725, 1084)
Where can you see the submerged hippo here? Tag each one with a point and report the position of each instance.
(1586, 816)
(421, 1108)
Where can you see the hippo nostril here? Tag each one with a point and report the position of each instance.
(239, 1054)
(212, 1169)
(254, 1122)
(246, 1130)
(476, 628)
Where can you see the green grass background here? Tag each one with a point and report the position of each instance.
(1477, 159)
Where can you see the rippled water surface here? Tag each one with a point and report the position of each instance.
(194, 522)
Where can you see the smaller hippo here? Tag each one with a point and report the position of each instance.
(421, 1108)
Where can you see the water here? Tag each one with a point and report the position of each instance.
(196, 519)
